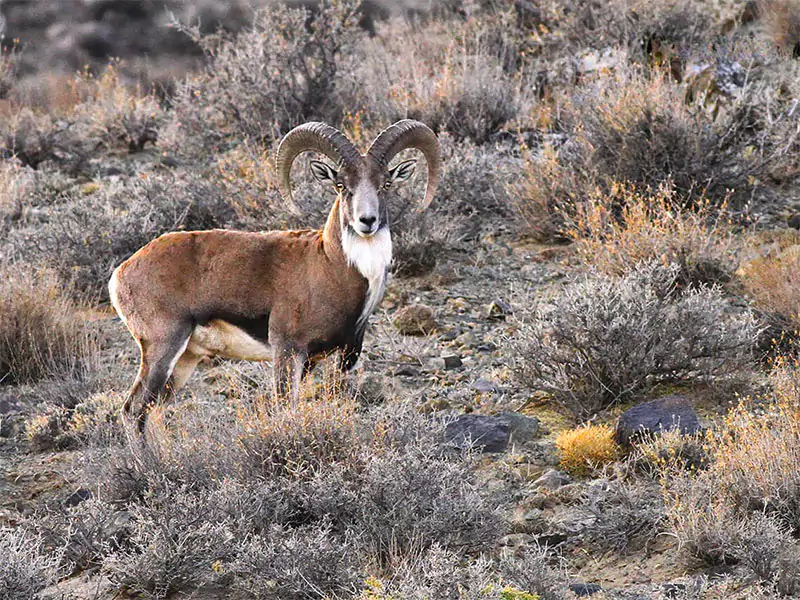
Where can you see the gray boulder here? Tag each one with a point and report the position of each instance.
(489, 434)
(664, 414)
(522, 427)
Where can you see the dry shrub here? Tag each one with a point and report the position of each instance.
(602, 339)
(42, 331)
(618, 231)
(637, 128)
(279, 72)
(586, 449)
(670, 451)
(774, 284)
(25, 568)
(621, 512)
(115, 114)
(745, 506)
(305, 494)
(129, 212)
(454, 77)
(782, 18)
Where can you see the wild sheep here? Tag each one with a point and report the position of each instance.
(292, 296)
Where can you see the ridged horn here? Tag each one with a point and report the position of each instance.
(410, 134)
(312, 136)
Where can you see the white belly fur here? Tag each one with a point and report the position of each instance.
(220, 338)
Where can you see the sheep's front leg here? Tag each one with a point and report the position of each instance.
(289, 366)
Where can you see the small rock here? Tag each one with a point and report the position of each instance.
(490, 434)
(496, 311)
(370, 390)
(794, 221)
(484, 386)
(523, 428)
(406, 371)
(664, 414)
(585, 589)
(449, 362)
(78, 496)
(552, 480)
(514, 540)
(415, 319)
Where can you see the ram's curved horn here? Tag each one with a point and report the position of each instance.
(307, 137)
(410, 134)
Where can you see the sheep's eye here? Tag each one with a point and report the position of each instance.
(387, 185)
(339, 185)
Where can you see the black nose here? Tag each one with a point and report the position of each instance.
(368, 221)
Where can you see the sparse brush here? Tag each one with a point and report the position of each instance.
(277, 73)
(601, 339)
(624, 228)
(586, 449)
(783, 22)
(774, 284)
(744, 505)
(636, 127)
(25, 568)
(42, 331)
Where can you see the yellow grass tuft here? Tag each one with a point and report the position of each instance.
(586, 449)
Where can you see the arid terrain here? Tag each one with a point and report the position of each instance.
(582, 380)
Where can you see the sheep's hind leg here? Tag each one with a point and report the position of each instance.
(160, 361)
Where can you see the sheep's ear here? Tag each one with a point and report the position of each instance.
(322, 171)
(402, 171)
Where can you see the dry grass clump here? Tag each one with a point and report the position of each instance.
(602, 339)
(586, 449)
(276, 498)
(774, 284)
(745, 506)
(42, 332)
(618, 231)
(636, 127)
(25, 568)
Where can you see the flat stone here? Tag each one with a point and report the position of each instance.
(552, 480)
(585, 589)
(794, 221)
(523, 428)
(664, 414)
(484, 386)
(489, 434)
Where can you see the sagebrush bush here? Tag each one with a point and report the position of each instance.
(617, 231)
(25, 568)
(311, 492)
(129, 213)
(42, 331)
(744, 506)
(460, 81)
(602, 339)
(439, 573)
(280, 71)
(586, 449)
(633, 127)
(624, 513)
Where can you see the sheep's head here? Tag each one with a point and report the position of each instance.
(360, 180)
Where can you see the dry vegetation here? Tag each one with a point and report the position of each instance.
(609, 229)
